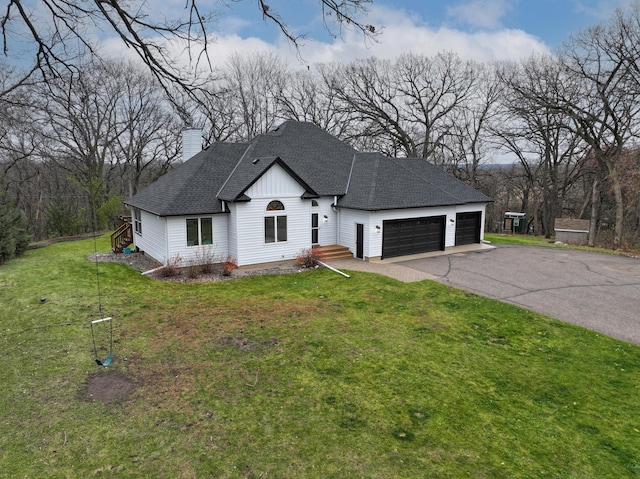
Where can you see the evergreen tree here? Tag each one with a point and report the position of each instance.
(14, 238)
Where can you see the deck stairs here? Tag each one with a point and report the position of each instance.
(122, 237)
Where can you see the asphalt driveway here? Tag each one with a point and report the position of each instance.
(598, 291)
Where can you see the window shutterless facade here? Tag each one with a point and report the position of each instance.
(199, 231)
(137, 221)
(275, 223)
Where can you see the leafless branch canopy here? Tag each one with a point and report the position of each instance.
(58, 31)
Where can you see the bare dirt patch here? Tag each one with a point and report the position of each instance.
(246, 344)
(108, 385)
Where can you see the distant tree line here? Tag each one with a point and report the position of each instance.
(550, 136)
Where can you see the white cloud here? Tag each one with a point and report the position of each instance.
(402, 33)
(601, 9)
(484, 14)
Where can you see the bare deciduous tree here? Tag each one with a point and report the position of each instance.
(57, 31)
(539, 135)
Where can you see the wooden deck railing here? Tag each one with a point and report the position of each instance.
(122, 237)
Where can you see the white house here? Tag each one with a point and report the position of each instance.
(298, 187)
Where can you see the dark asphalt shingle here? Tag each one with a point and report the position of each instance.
(322, 164)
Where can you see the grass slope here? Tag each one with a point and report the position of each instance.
(303, 375)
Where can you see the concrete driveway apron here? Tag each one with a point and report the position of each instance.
(594, 290)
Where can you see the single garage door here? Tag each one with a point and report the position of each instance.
(468, 227)
(412, 236)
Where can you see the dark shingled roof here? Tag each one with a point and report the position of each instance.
(382, 183)
(319, 159)
(322, 164)
(191, 188)
(248, 171)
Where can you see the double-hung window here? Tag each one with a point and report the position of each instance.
(137, 221)
(275, 223)
(199, 231)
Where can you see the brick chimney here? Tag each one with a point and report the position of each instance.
(191, 142)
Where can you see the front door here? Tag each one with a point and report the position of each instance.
(359, 240)
(314, 228)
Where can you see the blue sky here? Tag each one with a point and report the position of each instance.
(479, 29)
(483, 30)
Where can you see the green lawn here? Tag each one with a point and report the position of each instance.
(531, 240)
(303, 375)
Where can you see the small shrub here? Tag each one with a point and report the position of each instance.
(172, 268)
(192, 270)
(206, 259)
(228, 266)
(309, 257)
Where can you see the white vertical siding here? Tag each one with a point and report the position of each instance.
(177, 239)
(275, 184)
(153, 240)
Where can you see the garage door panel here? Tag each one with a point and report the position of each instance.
(412, 236)
(468, 227)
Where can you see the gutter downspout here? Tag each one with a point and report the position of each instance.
(335, 207)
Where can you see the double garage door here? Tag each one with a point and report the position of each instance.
(412, 236)
(423, 235)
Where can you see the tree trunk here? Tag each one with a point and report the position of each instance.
(595, 208)
(617, 190)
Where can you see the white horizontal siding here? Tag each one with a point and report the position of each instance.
(232, 235)
(177, 240)
(327, 229)
(153, 240)
(348, 220)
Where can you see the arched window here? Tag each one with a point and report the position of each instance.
(275, 205)
(314, 203)
(275, 224)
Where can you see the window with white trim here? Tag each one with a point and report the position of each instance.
(275, 223)
(137, 221)
(199, 231)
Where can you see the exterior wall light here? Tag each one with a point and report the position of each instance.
(325, 219)
(377, 229)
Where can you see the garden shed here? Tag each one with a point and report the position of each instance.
(572, 231)
(514, 223)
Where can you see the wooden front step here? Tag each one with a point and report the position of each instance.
(334, 252)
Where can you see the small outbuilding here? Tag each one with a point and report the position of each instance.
(572, 231)
(514, 223)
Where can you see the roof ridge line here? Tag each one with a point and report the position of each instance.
(234, 169)
(353, 162)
